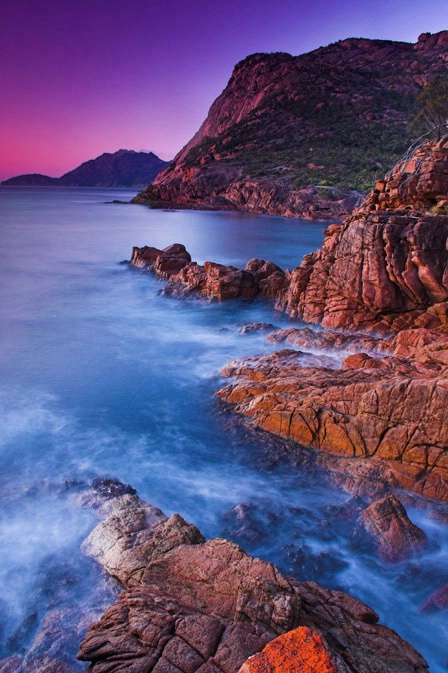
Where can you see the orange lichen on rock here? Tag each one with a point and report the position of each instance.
(301, 650)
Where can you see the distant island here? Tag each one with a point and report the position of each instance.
(125, 168)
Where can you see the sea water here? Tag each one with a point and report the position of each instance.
(104, 376)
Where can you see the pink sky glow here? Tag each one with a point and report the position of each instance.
(81, 78)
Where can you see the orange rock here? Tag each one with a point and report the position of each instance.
(302, 650)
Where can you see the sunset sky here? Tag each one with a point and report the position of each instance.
(82, 77)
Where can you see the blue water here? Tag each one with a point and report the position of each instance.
(101, 375)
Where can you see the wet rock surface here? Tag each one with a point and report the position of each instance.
(387, 409)
(211, 280)
(390, 528)
(208, 606)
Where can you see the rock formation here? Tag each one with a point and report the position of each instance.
(387, 522)
(125, 168)
(385, 270)
(438, 600)
(380, 394)
(191, 605)
(211, 280)
(387, 267)
(295, 135)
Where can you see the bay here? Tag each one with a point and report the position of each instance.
(103, 376)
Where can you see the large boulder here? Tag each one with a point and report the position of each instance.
(391, 530)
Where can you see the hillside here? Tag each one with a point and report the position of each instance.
(125, 168)
(332, 119)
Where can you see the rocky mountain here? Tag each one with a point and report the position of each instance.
(296, 135)
(125, 168)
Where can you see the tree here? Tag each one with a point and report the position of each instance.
(433, 103)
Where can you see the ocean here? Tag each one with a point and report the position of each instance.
(101, 375)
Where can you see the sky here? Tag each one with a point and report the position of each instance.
(83, 77)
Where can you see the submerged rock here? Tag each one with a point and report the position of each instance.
(437, 601)
(389, 526)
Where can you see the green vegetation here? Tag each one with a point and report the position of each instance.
(349, 154)
(344, 140)
(433, 107)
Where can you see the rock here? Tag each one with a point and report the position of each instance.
(437, 601)
(351, 628)
(227, 282)
(145, 257)
(275, 143)
(208, 606)
(212, 280)
(383, 270)
(301, 650)
(386, 268)
(196, 603)
(393, 413)
(328, 340)
(42, 664)
(165, 263)
(59, 629)
(389, 526)
(256, 327)
(11, 665)
(132, 534)
(361, 477)
(243, 524)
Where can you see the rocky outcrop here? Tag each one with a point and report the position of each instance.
(191, 605)
(383, 271)
(296, 135)
(389, 526)
(388, 409)
(125, 168)
(212, 280)
(387, 267)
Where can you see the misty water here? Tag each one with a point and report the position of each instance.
(103, 376)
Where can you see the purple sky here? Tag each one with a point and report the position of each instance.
(82, 77)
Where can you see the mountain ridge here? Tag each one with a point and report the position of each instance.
(124, 168)
(287, 126)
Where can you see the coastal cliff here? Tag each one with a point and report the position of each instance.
(303, 135)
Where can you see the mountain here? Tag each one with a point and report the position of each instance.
(295, 135)
(125, 168)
